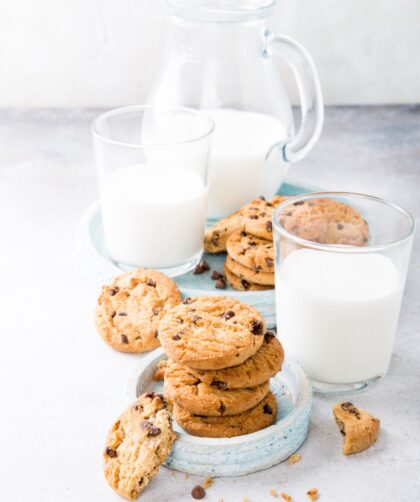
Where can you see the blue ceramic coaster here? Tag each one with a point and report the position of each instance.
(243, 454)
(98, 268)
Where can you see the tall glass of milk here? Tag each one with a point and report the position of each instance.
(340, 276)
(152, 169)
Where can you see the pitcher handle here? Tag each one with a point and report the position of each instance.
(309, 87)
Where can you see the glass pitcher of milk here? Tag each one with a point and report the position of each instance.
(219, 57)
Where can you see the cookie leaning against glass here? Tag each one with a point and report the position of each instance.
(131, 306)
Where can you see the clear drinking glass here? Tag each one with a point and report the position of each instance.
(340, 276)
(152, 167)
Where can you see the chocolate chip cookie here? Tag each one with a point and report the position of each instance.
(241, 284)
(131, 306)
(216, 236)
(138, 444)
(325, 221)
(211, 332)
(251, 252)
(359, 428)
(256, 218)
(202, 398)
(249, 274)
(255, 419)
(256, 370)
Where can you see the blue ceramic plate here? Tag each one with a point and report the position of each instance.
(98, 267)
(242, 454)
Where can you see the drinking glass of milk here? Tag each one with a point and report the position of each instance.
(152, 169)
(340, 277)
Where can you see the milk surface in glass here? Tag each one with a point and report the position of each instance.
(239, 171)
(337, 313)
(153, 217)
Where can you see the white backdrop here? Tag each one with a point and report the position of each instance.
(106, 52)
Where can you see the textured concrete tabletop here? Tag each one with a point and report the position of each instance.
(62, 387)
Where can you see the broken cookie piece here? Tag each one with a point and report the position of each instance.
(359, 428)
(159, 373)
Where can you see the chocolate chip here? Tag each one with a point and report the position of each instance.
(122, 314)
(245, 284)
(350, 408)
(220, 283)
(195, 319)
(151, 394)
(156, 333)
(151, 429)
(111, 453)
(263, 214)
(205, 265)
(228, 314)
(268, 410)
(216, 275)
(257, 268)
(269, 204)
(151, 282)
(299, 203)
(187, 301)
(340, 226)
(243, 234)
(198, 269)
(269, 226)
(124, 339)
(252, 243)
(222, 408)
(155, 311)
(219, 384)
(198, 492)
(289, 213)
(257, 327)
(176, 337)
(140, 481)
(261, 197)
(365, 239)
(269, 336)
(253, 217)
(269, 262)
(113, 291)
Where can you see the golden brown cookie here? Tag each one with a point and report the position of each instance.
(251, 252)
(254, 371)
(211, 332)
(255, 419)
(325, 221)
(217, 235)
(200, 398)
(138, 444)
(159, 373)
(256, 218)
(241, 284)
(359, 428)
(131, 306)
(250, 275)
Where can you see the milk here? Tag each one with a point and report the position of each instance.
(238, 169)
(337, 313)
(153, 217)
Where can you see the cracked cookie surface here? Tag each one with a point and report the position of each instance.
(325, 221)
(131, 306)
(211, 332)
(260, 416)
(212, 399)
(138, 444)
(359, 428)
(252, 252)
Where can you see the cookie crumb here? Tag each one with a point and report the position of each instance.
(198, 492)
(312, 494)
(286, 497)
(207, 482)
(294, 459)
(273, 493)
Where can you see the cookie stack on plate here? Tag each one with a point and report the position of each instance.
(221, 360)
(247, 236)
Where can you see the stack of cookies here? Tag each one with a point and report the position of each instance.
(247, 237)
(221, 360)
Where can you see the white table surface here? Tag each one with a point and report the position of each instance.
(62, 387)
